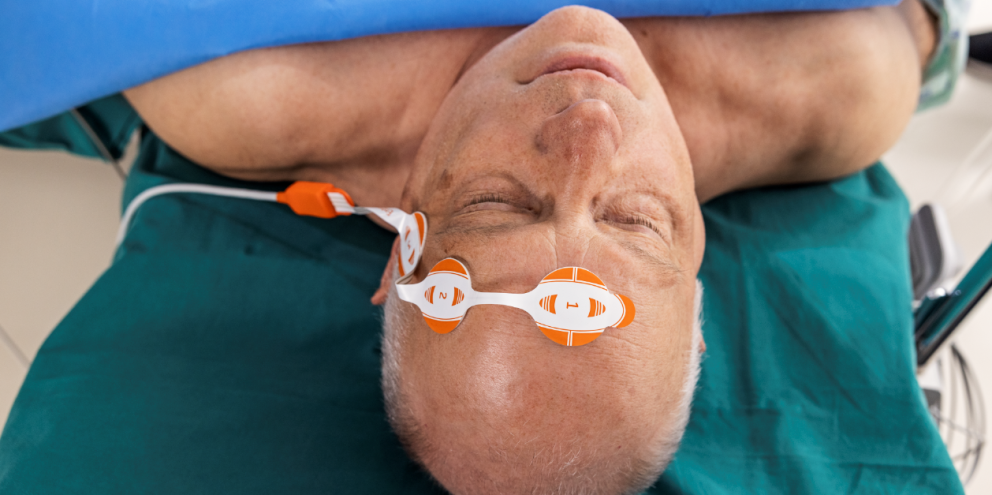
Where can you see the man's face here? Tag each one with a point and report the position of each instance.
(558, 148)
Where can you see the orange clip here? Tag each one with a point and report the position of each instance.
(310, 198)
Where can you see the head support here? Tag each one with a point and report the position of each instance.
(571, 306)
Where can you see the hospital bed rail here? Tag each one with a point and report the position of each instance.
(938, 316)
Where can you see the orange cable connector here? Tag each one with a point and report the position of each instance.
(310, 198)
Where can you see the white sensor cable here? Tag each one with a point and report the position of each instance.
(150, 193)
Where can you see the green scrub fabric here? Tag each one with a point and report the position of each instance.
(231, 348)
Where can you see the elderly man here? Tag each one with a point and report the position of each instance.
(576, 141)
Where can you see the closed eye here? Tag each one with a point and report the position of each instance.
(492, 202)
(487, 198)
(626, 222)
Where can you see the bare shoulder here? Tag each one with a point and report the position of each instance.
(269, 113)
(761, 99)
(787, 98)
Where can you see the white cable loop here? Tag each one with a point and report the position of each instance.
(150, 193)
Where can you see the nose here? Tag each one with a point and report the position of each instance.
(583, 138)
(580, 144)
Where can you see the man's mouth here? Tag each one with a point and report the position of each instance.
(578, 62)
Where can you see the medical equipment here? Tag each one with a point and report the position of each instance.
(939, 315)
(946, 377)
(315, 199)
(956, 403)
(980, 55)
(934, 257)
(570, 305)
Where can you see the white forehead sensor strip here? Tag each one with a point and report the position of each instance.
(571, 306)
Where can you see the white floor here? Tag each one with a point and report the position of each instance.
(59, 216)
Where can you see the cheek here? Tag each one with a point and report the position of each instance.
(661, 334)
(627, 274)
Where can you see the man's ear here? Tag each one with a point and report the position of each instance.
(382, 292)
(698, 308)
(699, 239)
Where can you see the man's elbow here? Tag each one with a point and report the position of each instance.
(231, 123)
(865, 107)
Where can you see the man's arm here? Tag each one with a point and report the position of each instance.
(264, 114)
(789, 98)
(761, 99)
